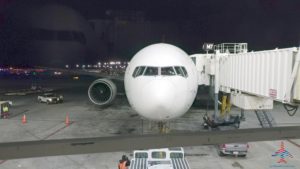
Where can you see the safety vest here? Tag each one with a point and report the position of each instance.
(5, 109)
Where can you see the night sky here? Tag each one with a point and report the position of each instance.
(263, 24)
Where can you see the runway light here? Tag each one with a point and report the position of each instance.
(67, 66)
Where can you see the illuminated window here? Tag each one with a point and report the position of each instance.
(158, 154)
(151, 71)
(168, 71)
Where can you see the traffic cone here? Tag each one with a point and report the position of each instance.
(24, 119)
(67, 121)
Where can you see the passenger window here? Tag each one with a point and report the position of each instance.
(167, 71)
(151, 71)
(179, 71)
(184, 71)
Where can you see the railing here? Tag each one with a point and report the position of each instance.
(232, 47)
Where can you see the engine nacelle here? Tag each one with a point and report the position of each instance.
(102, 92)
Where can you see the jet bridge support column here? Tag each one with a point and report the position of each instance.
(217, 85)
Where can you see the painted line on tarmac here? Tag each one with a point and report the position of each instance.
(58, 130)
(45, 138)
(294, 143)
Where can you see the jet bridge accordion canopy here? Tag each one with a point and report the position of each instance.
(264, 73)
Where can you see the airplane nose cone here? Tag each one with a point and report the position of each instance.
(159, 96)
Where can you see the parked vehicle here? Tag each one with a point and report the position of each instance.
(236, 149)
(50, 98)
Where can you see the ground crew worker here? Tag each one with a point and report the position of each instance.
(122, 163)
(5, 112)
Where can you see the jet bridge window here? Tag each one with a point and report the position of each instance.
(138, 71)
(151, 71)
(168, 71)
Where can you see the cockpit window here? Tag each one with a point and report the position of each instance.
(163, 71)
(168, 71)
(138, 71)
(184, 71)
(179, 71)
(151, 71)
(135, 71)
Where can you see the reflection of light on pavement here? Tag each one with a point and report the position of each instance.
(19, 165)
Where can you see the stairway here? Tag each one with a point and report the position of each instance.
(265, 118)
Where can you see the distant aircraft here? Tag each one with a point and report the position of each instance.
(160, 83)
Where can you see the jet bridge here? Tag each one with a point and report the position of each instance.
(252, 79)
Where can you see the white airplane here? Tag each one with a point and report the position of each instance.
(160, 83)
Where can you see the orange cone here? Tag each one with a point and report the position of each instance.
(67, 121)
(24, 119)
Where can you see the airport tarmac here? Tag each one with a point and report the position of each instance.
(87, 120)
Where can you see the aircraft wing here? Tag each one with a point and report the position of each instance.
(41, 148)
(88, 72)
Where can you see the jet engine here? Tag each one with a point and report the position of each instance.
(102, 92)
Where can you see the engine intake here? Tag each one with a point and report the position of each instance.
(102, 92)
